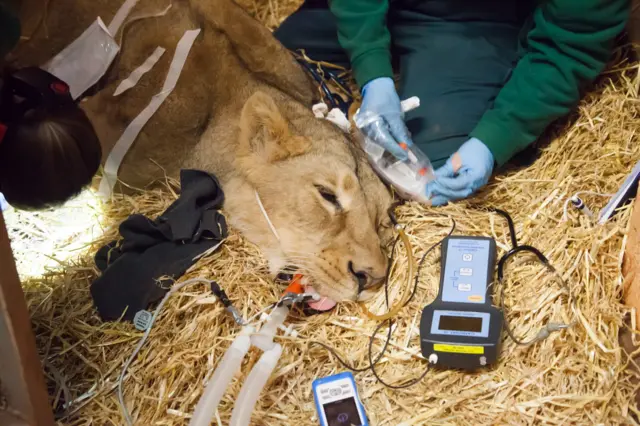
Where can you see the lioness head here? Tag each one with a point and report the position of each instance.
(327, 207)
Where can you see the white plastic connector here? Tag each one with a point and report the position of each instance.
(410, 104)
(288, 331)
(433, 359)
(264, 338)
(580, 205)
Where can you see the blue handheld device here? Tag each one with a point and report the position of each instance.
(337, 401)
(461, 328)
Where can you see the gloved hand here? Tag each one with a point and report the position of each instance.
(464, 173)
(380, 99)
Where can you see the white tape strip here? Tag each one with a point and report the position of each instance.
(110, 173)
(338, 118)
(136, 74)
(85, 60)
(144, 16)
(120, 16)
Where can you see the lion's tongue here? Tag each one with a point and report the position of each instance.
(324, 304)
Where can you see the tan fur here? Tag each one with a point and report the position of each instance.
(241, 110)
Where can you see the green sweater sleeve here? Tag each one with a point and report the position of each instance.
(363, 33)
(567, 48)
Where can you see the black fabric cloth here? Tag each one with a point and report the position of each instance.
(138, 270)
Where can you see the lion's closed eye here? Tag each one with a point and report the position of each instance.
(329, 196)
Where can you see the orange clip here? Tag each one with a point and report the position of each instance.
(295, 286)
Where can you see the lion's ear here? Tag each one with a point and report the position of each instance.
(265, 132)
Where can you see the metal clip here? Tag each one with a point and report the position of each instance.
(237, 317)
(548, 329)
(293, 298)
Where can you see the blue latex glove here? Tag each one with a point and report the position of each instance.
(3, 203)
(380, 99)
(463, 174)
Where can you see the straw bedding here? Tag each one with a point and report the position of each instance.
(577, 376)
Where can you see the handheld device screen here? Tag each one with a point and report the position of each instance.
(342, 413)
(460, 323)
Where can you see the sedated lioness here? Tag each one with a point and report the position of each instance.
(241, 110)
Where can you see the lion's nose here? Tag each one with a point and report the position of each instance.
(364, 277)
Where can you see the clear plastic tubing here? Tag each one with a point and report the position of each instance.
(252, 388)
(220, 380)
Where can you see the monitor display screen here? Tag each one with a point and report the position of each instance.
(342, 413)
(453, 323)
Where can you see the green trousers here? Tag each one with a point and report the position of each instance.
(455, 55)
(9, 26)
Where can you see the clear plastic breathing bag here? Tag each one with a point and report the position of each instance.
(410, 175)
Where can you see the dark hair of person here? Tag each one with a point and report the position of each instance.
(49, 150)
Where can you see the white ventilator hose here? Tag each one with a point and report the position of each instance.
(251, 389)
(229, 365)
(257, 378)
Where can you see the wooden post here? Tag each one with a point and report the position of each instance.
(20, 369)
(631, 288)
(631, 262)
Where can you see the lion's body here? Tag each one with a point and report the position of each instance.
(241, 110)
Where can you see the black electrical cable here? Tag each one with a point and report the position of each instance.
(386, 344)
(515, 249)
(512, 228)
(413, 292)
(373, 362)
(220, 294)
(424, 257)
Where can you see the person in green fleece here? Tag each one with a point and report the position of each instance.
(491, 75)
